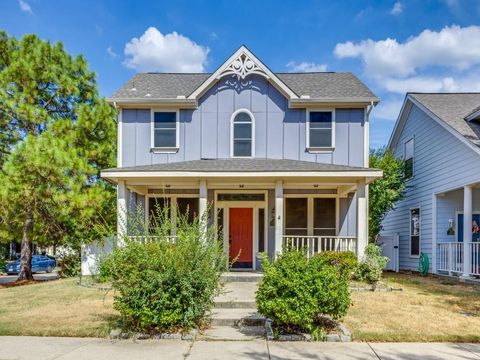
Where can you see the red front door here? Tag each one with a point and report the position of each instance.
(241, 237)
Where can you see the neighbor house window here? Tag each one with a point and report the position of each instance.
(415, 232)
(320, 129)
(164, 130)
(242, 144)
(409, 158)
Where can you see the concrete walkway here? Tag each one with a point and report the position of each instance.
(49, 348)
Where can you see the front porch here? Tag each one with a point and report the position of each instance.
(259, 210)
(457, 232)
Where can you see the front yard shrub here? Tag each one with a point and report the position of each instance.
(371, 267)
(296, 291)
(70, 264)
(344, 261)
(161, 284)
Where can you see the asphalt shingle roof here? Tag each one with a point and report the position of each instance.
(241, 165)
(452, 108)
(318, 85)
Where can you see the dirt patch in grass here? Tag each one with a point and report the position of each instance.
(56, 308)
(18, 283)
(428, 309)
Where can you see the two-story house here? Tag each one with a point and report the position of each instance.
(277, 157)
(438, 136)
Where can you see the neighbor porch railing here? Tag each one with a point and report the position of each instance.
(450, 257)
(317, 244)
(475, 258)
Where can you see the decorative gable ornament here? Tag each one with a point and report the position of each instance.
(241, 67)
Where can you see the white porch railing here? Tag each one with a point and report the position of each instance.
(317, 244)
(450, 257)
(148, 238)
(475, 258)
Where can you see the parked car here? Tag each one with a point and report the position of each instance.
(39, 263)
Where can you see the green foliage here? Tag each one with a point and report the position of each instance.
(295, 290)
(371, 267)
(384, 192)
(164, 285)
(70, 264)
(344, 261)
(56, 133)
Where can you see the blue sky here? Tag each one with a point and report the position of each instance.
(393, 46)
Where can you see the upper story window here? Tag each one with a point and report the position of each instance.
(409, 158)
(320, 130)
(165, 130)
(242, 134)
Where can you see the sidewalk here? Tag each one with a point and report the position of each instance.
(48, 348)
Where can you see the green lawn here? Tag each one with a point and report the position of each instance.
(55, 308)
(428, 309)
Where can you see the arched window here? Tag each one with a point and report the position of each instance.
(242, 134)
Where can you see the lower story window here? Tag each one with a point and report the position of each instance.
(414, 232)
(310, 216)
(296, 219)
(160, 208)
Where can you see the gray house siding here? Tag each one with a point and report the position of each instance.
(442, 162)
(279, 131)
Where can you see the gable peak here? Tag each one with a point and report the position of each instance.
(242, 64)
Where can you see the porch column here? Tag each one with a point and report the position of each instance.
(202, 202)
(362, 216)
(121, 210)
(278, 217)
(467, 229)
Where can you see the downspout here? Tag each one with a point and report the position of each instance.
(367, 162)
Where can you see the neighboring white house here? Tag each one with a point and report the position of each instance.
(278, 156)
(438, 136)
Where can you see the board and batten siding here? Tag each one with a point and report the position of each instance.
(279, 131)
(442, 162)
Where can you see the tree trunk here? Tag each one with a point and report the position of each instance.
(26, 251)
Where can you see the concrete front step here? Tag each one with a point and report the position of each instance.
(237, 317)
(231, 333)
(240, 276)
(235, 304)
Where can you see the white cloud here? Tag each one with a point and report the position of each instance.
(306, 67)
(25, 7)
(453, 47)
(469, 82)
(112, 53)
(397, 8)
(172, 52)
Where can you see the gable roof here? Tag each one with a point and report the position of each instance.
(299, 87)
(449, 109)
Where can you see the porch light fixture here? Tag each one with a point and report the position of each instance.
(451, 230)
(241, 186)
(315, 186)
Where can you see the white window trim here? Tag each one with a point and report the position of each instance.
(410, 233)
(164, 150)
(413, 157)
(249, 113)
(318, 150)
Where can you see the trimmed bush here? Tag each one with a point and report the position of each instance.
(371, 267)
(295, 291)
(344, 261)
(163, 285)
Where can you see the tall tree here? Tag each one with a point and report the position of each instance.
(386, 191)
(56, 133)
